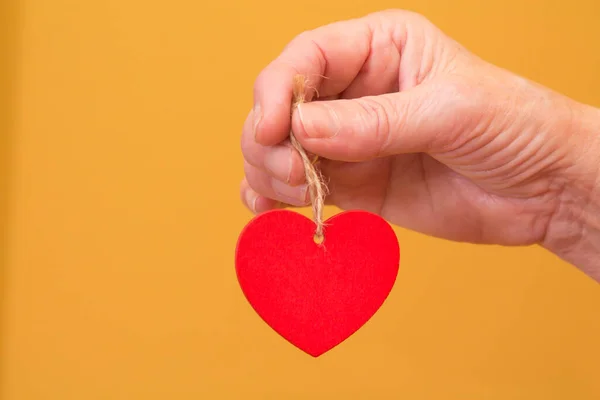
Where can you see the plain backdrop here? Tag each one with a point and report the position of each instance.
(120, 165)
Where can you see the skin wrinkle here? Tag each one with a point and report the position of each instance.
(324, 70)
(437, 60)
(524, 158)
(460, 146)
(379, 117)
(381, 45)
(399, 39)
(304, 38)
(386, 113)
(408, 82)
(370, 38)
(540, 223)
(574, 123)
(395, 66)
(460, 113)
(558, 190)
(565, 240)
(322, 59)
(307, 37)
(333, 115)
(480, 229)
(420, 110)
(575, 225)
(514, 146)
(428, 59)
(450, 64)
(483, 146)
(531, 160)
(539, 161)
(510, 179)
(478, 208)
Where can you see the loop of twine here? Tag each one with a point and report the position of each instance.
(314, 179)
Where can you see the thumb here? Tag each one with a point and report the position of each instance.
(417, 120)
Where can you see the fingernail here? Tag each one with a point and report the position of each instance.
(251, 198)
(278, 161)
(256, 117)
(294, 195)
(319, 121)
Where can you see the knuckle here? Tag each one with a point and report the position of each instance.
(245, 145)
(252, 155)
(252, 177)
(376, 121)
(306, 43)
(262, 79)
(300, 38)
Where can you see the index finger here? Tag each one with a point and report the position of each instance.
(330, 57)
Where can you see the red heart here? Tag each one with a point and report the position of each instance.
(317, 295)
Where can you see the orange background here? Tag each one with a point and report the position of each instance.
(120, 164)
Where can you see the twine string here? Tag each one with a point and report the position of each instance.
(316, 185)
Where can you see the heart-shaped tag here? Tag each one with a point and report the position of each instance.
(316, 295)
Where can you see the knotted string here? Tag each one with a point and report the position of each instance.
(316, 185)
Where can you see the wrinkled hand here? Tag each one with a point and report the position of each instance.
(410, 125)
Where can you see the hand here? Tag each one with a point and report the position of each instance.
(410, 125)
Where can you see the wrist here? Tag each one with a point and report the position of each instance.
(574, 230)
